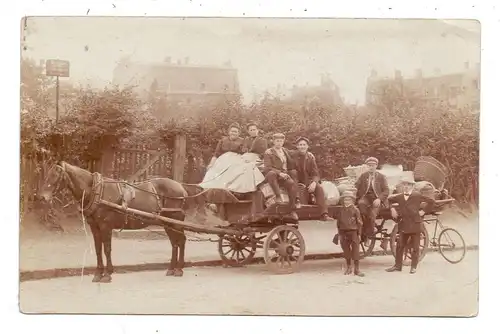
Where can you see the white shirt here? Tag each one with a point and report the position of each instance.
(407, 195)
(282, 156)
(371, 181)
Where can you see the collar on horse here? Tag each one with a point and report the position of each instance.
(94, 196)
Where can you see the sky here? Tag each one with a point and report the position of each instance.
(266, 52)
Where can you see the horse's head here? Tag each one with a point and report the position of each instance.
(53, 182)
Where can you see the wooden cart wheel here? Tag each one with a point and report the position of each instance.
(424, 245)
(284, 250)
(237, 251)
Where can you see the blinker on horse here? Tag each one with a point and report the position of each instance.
(149, 196)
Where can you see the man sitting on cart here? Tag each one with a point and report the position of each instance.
(372, 191)
(308, 175)
(280, 169)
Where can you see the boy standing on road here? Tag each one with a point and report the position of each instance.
(409, 222)
(349, 225)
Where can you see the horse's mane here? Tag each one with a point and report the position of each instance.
(77, 171)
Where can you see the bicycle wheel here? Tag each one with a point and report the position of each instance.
(451, 243)
(366, 251)
(424, 245)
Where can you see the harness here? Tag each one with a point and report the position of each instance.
(95, 195)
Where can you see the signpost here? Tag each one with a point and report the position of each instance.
(57, 68)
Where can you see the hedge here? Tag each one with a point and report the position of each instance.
(99, 120)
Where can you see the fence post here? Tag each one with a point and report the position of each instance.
(179, 159)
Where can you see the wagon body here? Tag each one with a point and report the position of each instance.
(253, 225)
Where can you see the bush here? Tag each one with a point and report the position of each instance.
(343, 137)
(100, 120)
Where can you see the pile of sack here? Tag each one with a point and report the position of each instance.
(393, 173)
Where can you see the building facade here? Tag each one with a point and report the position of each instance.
(181, 82)
(455, 91)
(326, 93)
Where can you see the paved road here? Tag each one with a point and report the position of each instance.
(438, 288)
(49, 250)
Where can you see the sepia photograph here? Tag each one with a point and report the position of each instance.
(249, 166)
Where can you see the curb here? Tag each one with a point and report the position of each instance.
(35, 275)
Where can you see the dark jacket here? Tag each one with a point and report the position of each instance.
(408, 210)
(307, 169)
(380, 187)
(272, 161)
(256, 145)
(227, 145)
(349, 218)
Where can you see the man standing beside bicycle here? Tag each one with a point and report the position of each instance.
(408, 216)
(372, 191)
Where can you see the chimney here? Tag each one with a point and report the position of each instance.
(466, 65)
(168, 60)
(42, 63)
(373, 74)
(179, 62)
(437, 71)
(186, 60)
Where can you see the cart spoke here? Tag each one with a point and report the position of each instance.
(228, 252)
(280, 238)
(232, 255)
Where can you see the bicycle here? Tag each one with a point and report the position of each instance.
(443, 242)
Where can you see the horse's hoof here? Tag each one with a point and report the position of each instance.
(170, 272)
(178, 273)
(106, 279)
(96, 279)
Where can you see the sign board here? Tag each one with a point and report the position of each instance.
(57, 68)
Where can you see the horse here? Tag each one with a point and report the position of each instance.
(161, 195)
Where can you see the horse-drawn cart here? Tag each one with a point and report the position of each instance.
(253, 222)
(283, 245)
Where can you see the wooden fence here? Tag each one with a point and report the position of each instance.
(132, 163)
(141, 162)
(124, 163)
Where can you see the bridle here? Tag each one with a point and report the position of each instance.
(94, 196)
(61, 178)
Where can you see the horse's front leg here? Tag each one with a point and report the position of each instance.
(107, 233)
(175, 248)
(96, 233)
(181, 238)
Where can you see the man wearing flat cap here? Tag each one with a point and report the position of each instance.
(372, 191)
(280, 169)
(308, 175)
